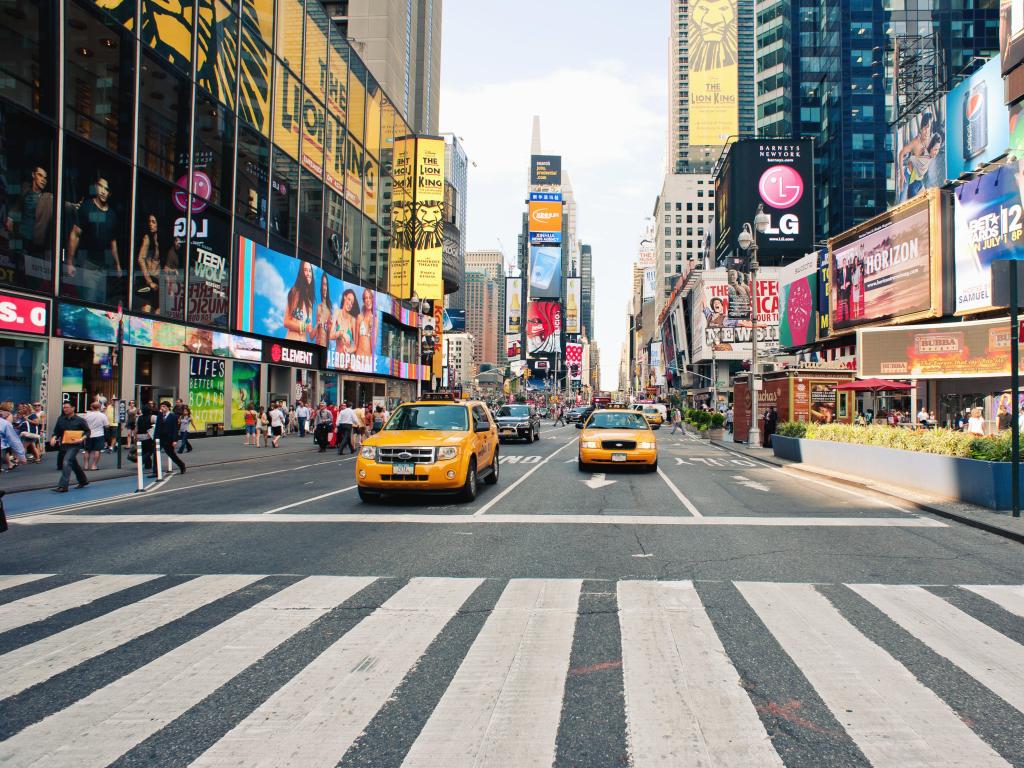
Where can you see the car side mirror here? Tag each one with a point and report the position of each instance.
(483, 426)
(579, 425)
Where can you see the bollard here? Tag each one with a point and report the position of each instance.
(138, 467)
(156, 458)
(169, 465)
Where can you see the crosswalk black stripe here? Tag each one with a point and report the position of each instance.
(391, 733)
(64, 689)
(990, 717)
(30, 588)
(592, 728)
(801, 726)
(195, 731)
(984, 611)
(31, 633)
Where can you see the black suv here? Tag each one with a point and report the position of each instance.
(579, 413)
(516, 421)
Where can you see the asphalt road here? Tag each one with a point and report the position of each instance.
(718, 612)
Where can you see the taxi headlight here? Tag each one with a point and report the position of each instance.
(645, 446)
(368, 452)
(590, 443)
(447, 452)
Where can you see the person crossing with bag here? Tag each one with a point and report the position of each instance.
(167, 433)
(70, 432)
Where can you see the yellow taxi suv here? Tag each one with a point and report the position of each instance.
(617, 437)
(431, 445)
(655, 414)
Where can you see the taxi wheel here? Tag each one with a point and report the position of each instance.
(470, 487)
(492, 478)
(368, 497)
(653, 467)
(580, 465)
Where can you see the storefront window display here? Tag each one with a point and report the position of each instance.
(329, 388)
(206, 390)
(99, 72)
(27, 209)
(28, 54)
(23, 369)
(96, 190)
(159, 250)
(88, 371)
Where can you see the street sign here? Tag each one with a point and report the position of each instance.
(122, 411)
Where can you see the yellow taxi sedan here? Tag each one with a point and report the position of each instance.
(617, 438)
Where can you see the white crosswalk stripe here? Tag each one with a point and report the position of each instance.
(503, 700)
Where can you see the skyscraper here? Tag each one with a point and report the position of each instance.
(587, 290)
(456, 187)
(492, 264)
(711, 80)
(400, 41)
(483, 316)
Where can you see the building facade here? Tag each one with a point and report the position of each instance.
(400, 41)
(461, 355)
(456, 187)
(587, 290)
(484, 316)
(684, 215)
(224, 183)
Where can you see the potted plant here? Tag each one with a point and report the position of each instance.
(716, 427)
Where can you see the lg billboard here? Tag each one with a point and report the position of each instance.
(775, 173)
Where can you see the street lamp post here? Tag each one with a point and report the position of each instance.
(747, 240)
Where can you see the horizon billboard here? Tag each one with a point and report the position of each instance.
(713, 72)
(978, 124)
(888, 268)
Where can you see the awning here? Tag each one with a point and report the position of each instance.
(874, 385)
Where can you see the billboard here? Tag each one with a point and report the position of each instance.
(714, 72)
(717, 334)
(775, 173)
(292, 300)
(798, 288)
(978, 128)
(400, 253)
(988, 214)
(573, 302)
(513, 304)
(543, 328)
(513, 347)
(417, 218)
(574, 359)
(545, 271)
(824, 289)
(920, 151)
(939, 351)
(650, 284)
(545, 222)
(545, 170)
(24, 315)
(889, 267)
(206, 390)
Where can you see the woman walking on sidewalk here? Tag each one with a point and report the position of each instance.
(277, 423)
(250, 425)
(261, 427)
(184, 425)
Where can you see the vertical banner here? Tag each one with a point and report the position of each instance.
(206, 390)
(513, 305)
(438, 361)
(245, 389)
(402, 218)
(572, 304)
(428, 222)
(714, 74)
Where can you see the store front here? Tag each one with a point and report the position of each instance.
(24, 349)
(156, 376)
(291, 372)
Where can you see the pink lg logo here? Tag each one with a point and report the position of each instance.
(781, 186)
(201, 189)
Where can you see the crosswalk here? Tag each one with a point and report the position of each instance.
(276, 670)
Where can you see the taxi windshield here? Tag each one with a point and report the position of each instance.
(446, 418)
(514, 410)
(617, 420)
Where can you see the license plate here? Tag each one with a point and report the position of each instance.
(618, 457)
(508, 431)
(403, 469)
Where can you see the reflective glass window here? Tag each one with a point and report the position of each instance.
(253, 178)
(259, 16)
(337, 78)
(311, 203)
(334, 228)
(357, 99)
(214, 137)
(314, 134)
(255, 62)
(217, 57)
(165, 100)
(284, 188)
(158, 256)
(373, 117)
(351, 243)
(28, 54)
(334, 154)
(166, 27)
(316, 67)
(287, 109)
(290, 18)
(353, 172)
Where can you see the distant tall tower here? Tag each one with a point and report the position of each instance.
(400, 42)
(711, 80)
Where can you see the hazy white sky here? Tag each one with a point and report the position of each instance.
(595, 71)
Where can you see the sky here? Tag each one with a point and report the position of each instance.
(597, 77)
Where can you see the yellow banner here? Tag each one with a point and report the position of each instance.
(400, 257)
(714, 84)
(429, 219)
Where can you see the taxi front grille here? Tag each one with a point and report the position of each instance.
(618, 445)
(393, 455)
(406, 478)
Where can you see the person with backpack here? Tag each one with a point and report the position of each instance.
(378, 419)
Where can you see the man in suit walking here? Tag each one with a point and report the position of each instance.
(167, 433)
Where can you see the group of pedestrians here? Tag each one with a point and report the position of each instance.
(264, 427)
(345, 427)
(27, 424)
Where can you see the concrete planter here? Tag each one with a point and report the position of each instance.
(985, 483)
(714, 433)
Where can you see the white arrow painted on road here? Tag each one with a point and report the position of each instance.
(597, 481)
(681, 461)
(741, 480)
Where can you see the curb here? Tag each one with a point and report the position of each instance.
(924, 507)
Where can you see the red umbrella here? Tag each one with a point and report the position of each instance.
(874, 385)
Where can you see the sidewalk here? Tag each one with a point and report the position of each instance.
(999, 523)
(207, 451)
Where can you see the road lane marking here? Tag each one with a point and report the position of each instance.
(317, 715)
(7, 582)
(500, 519)
(745, 481)
(683, 696)
(679, 494)
(514, 485)
(96, 730)
(989, 656)
(597, 480)
(894, 718)
(1008, 598)
(309, 500)
(41, 660)
(504, 704)
(46, 604)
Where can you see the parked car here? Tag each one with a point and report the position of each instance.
(518, 422)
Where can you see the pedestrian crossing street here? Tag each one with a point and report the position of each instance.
(255, 670)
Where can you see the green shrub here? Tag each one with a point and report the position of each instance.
(945, 442)
(792, 429)
(717, 420)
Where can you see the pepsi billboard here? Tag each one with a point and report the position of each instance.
(775, 173)
(977, 121)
